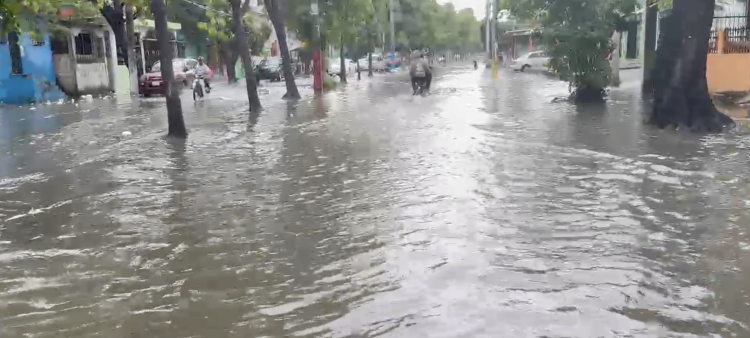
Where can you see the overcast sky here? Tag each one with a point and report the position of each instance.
(476, 5)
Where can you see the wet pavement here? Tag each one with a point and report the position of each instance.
(482, 210)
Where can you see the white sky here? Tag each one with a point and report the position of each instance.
(476, 5)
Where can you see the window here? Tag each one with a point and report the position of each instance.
(84, 44)
(89, 48)
(59, 44)
(176, 66)
(15, 53)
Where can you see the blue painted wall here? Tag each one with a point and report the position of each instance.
(37, 83)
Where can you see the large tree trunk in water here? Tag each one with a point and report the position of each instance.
(244, 51)
(130, 48)
(174, 106)
(274, 13)
(681, 97)
(115, 17)
(342, 60)
(369, 64)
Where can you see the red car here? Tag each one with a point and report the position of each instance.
(151, 82)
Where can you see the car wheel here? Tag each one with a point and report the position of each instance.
(524, 67)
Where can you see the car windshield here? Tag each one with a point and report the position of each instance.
(176, 65)
(270, 63)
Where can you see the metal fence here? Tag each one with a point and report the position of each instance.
(737, 34)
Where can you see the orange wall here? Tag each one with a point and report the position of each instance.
(728, 72)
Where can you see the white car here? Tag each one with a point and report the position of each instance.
(534, 60)
(378, 63)
(364, 63)
(334, 66)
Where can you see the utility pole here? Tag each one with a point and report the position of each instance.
(487, 47)
(393, 32)
(317, 53)
(495, 46)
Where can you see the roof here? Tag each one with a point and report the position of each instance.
(146, 23)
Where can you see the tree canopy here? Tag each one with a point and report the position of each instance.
(418, 23)
(577, 35)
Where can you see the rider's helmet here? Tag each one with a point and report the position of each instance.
(200, 59)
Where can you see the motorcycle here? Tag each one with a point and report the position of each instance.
(199, 88)
(421, 87)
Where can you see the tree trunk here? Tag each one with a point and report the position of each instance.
(278, 25)
(615, 63)
(174, 106)
(369, 63)
(229, 59)
(342, 60)
(116, 19)
(681, 97)
(130, 58)
(244, 52)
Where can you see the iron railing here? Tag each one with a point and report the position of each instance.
(736, 34)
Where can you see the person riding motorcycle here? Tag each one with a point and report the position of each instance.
(202, 70)
(419, 70)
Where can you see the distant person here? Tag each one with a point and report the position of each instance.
(419, 69)
(202, 70)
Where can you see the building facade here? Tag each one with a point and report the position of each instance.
(26, 71)
(84, 59)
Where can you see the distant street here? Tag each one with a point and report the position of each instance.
(482, 210)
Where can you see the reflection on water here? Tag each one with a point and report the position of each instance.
(482, 210)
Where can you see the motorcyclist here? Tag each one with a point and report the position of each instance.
(202, 70)
(419, 70)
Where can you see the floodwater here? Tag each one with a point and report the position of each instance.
(483, 210)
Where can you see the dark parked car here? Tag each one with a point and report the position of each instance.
(151, 82)
(270, 69)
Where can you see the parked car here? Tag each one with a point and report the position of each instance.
(151, 82)
(334, 65)
(538, 60)
(378, 63)
(270, 69)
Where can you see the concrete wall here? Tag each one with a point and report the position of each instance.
(92, 78)
(66, 73)
(36, 82)
(728, 72)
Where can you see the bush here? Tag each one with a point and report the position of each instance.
(577, 35)
(329, 83)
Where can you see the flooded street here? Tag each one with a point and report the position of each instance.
(482, 210)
